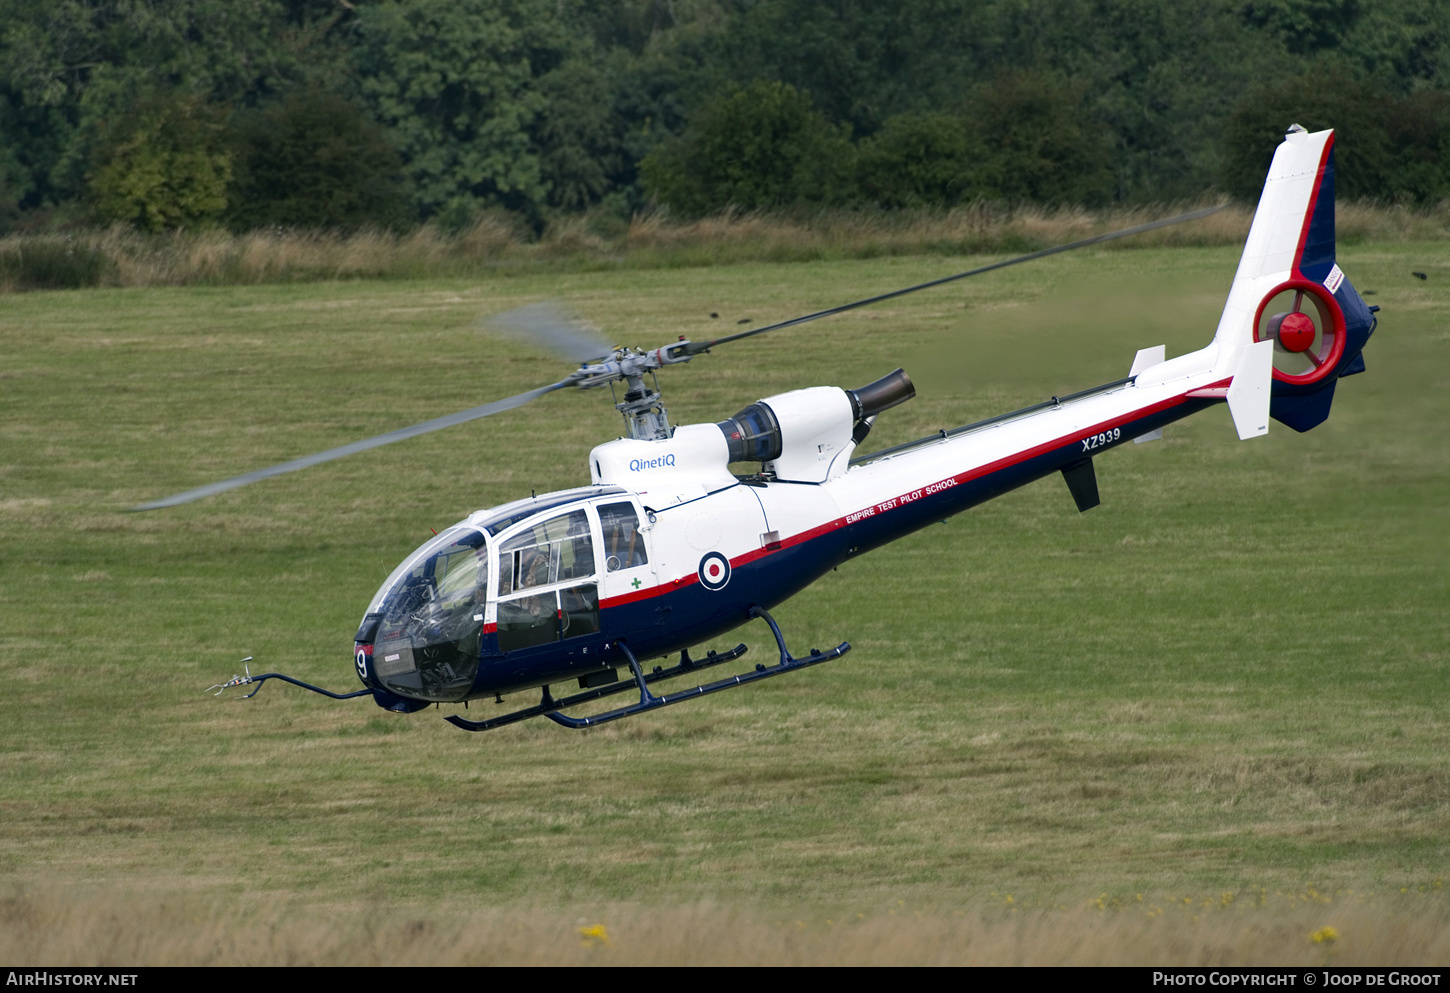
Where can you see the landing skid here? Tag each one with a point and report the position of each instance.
(548, 703)
(549, 707)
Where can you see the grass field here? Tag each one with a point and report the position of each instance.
(1198, 723)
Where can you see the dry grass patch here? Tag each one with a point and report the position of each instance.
(1251, 927)
(123, 257)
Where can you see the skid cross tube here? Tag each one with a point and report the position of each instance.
(649, 701)
(548, 703)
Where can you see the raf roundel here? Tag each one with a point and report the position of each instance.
(714, 571)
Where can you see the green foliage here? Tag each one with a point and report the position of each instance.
(1323, 98)
(1022, 137)
(70, 68)
(580, 149)
(1386, 147)
(314, 160)
(1041, 146)
(1304, 26)
(862, 62)
(1419, 127)
(921, 160)
(453, 81)
(540, 106)
(758, 147)
(164, 165)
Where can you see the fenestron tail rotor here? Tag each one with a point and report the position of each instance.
(548, 325)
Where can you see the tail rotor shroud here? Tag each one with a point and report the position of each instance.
(1307, 327)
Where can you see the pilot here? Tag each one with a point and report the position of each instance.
(533, 567)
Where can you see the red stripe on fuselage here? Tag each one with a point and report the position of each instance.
(1005, 462)
(1313, 202)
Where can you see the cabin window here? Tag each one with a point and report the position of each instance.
(542, 618)
(552, 551)
(623, 544)
(528, 621)
(579, 610)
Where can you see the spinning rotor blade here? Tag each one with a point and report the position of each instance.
(701, 346)
(437, 424)
(549, 325)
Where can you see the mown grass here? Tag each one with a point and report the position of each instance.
(1230, 677)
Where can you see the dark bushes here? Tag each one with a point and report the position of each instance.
(759, 147)
(1387, 148)
(50, 264)
(314, 160)
(1022, 138)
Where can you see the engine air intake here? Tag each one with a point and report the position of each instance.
(753, 434)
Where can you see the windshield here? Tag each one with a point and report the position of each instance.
(432, 606)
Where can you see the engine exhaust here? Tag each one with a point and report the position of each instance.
(888, 391)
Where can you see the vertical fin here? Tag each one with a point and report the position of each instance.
(1082, 483)
(1292, 236)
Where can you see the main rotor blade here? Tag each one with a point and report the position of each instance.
(437, 424)
(701, 346)
(549, 325)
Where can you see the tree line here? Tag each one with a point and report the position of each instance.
(354, 113)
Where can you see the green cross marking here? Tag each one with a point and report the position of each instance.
(636, 584)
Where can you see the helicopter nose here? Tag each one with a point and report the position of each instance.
(362, 647)
(363, 660)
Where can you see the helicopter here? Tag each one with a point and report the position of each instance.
(666, 548)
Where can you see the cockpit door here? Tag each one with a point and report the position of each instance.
(548, 583)
(629, 568)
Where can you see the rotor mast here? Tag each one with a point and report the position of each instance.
(644, 414)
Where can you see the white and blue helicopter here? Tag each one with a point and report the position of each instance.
(666, 548)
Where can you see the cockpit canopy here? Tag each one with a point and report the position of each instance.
(431, 618)
(427, 620)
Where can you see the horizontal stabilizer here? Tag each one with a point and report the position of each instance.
(1248, 394)
(1147, 358)
(1082, 482)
